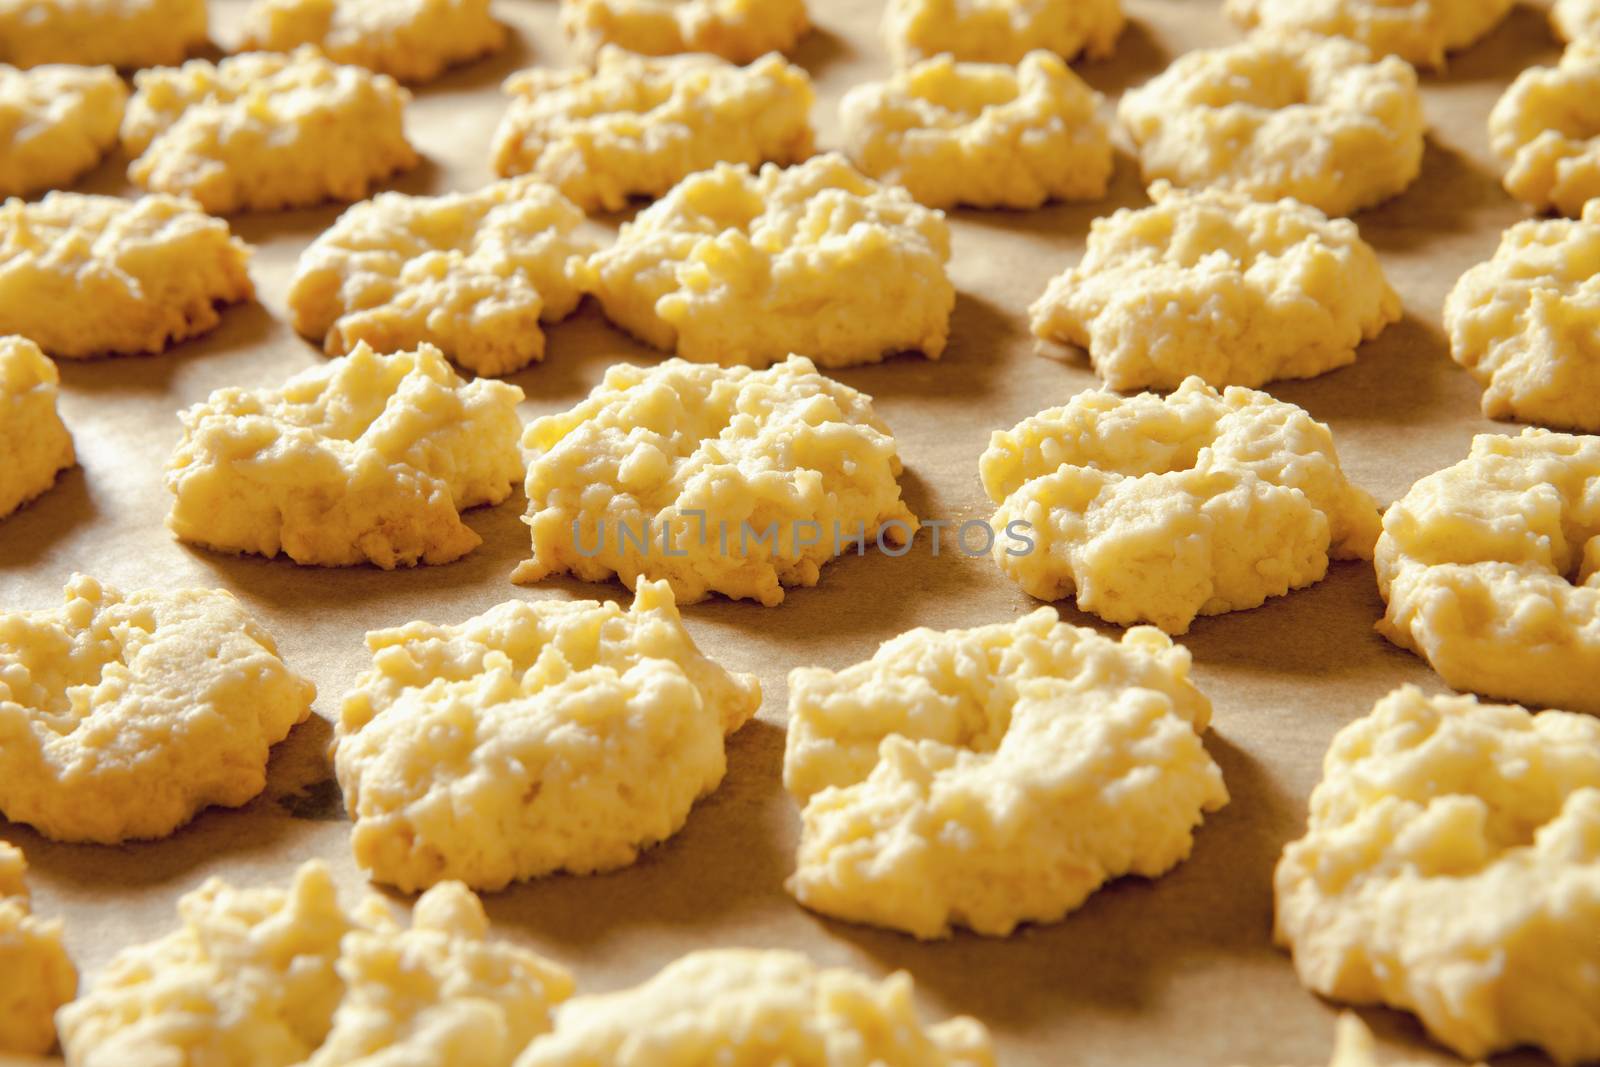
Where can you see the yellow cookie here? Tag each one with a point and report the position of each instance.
(1000, 31)
(410, 40)
(1418, 31)
(1545, 131)
(56, 122)
(34, 443)
(119, 33)
(737, 30)
(1576, 20)
(36, 974)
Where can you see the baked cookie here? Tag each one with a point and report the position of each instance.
(1282, 115)
(121, 33)
(1418, 31)
(88, 275)
(749, 1006)
(56, 123)
(265, 130)
(994, 776)
(718, 480)
(1576, 20)
(983, 134)
(271, 977)
(34, 443)
(1451, 867)
(409, 40)
(1545, 130)
(125, 714)
(1158, 509)
(636, 126)
(1000, 31)
(735, 267)
(736, 30)
(536, 737)
(1491, 570)
(473, 273)
(366, 459)
(36, 975)
(1213, 284)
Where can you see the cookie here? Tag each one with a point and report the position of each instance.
(636, 126)
(409, 40)
(536, 737)
(366, 459)
(983, 134)
(121, 33)
(737, 267)
(88, 275)
(751, 1006)
(1418, 31)
(1576, 20)
(1451, 867)
(1490, 570)
(717, 480)
(1213, 284)
(34, 443)
(270, 976)
(1000, 31)
(471, 273)
(56, 123)
(736, 30)
(995, 776)
(125, 714)
(1543, 130)
(1280, 115)
(36, 974)
(1159, 509)
(265, 130)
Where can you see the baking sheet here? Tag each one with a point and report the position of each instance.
(1180, 970)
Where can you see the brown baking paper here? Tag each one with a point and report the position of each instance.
(1181, 970)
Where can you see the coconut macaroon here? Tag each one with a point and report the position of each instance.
(1159, 509)
(270, 975)
(983, 134)
(738, 31)
(34, 443)
(1213, 284)
(56, 123)
(365, 459)
(409, 40)
(717, 480)
(1545, 130)
(471, 273)
(740, 267)
(994, 776)
(1420, 32)
(265, 130)
(121, 33)
(36, 974)
(1000, 31)
(1451, 867)
(636, 126)
(88, 275)
(536, 737)
(1491, 570)
(1279, 115)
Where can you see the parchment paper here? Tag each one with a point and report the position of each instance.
(1176, 971)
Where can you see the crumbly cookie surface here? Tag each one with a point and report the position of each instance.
(1282, 115)
(1451, 867)
(1420, 32)
(994, 776)
(736, 267)
(85, 275)
(1211, 283)
(36, 974)
(121, 33)
(983, 134)
(736, 30)
(34, 443)
(295, 978)
(1491, 570)
(125, 714)
(536, 737)
(636, 126)
(56, 123)
(1545, 131)
(366, 459)
(749, 1006)
(265, 130)
(1158, 509)
(718, 480)
(1576, 20)
(409, 40)
(471, 273)
(1000, 31)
